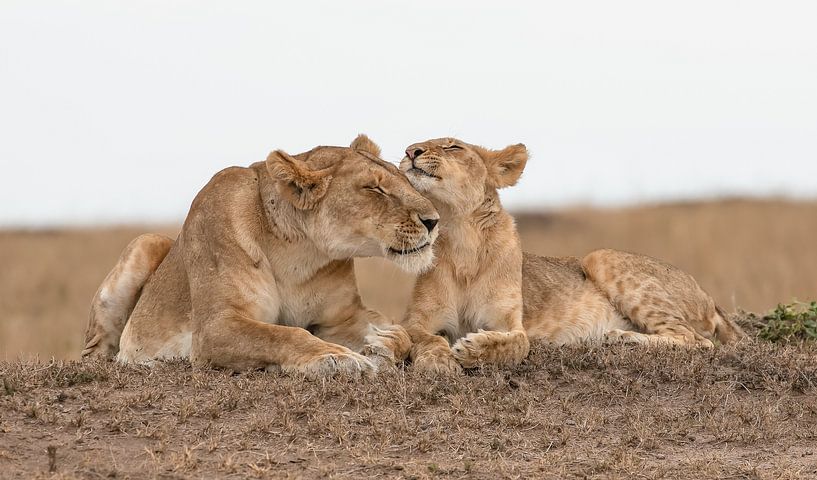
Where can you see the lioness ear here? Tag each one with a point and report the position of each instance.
(300, 185)
(505, 166)
(364, 143)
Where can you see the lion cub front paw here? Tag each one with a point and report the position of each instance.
(343, 363)
(484, 347)
(391, 342)
(437, 361)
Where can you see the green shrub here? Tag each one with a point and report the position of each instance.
(788, 323)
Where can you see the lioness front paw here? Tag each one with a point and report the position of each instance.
(391, 342)
(325, 365)
(437, 361)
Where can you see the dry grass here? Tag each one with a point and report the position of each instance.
(749, 254)
(580, 412)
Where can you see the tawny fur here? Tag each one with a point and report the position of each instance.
(116, 298)
(261, 274)
(487, 297)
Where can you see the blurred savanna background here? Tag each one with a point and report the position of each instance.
(749, 254)
(652, 128)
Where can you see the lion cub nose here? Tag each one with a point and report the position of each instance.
(413, 152)
(430, 223)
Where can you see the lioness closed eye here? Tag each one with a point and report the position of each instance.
(262, 260)
(488, 298)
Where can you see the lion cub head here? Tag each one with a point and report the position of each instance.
(353, 204)
(460, 176)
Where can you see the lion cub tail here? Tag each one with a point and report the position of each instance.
(119, 292)
(727, 331)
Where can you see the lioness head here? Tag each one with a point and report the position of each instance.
(353, 204)
(459, 175)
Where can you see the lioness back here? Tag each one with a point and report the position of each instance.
(160, 324)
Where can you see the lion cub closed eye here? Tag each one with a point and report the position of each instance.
(488, 298)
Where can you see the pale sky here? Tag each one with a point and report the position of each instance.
(120, 111)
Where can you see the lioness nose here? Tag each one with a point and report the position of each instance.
(430, 223)
(414, 151)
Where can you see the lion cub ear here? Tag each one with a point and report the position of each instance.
(300, 185)
(505, 166)
(364, 143)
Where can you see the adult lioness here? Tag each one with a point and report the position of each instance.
(262, 260)
(488, 297)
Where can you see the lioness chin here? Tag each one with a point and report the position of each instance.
(261, 274)
(488, 298)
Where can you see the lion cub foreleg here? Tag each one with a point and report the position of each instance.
(431, 314)
(492, 347)
(506, 343)
(431, 352)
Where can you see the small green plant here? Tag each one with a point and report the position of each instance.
(796, 321)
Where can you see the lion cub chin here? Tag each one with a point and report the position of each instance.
(487, 298)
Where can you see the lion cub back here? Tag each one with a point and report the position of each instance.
(657, 296)
(560, 305)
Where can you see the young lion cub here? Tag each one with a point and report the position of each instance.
(488, 298)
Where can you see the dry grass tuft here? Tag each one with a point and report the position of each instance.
(589, 411)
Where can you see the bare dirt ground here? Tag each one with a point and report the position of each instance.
(582, 412)
(748, 411)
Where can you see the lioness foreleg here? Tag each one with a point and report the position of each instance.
(232, 340)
